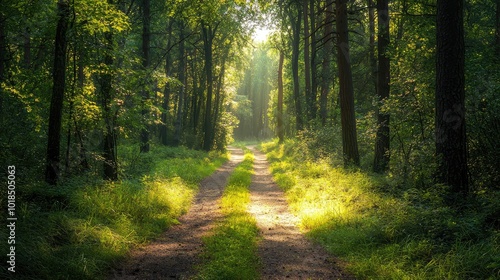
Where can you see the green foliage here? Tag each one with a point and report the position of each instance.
(230, 251)
(82, 227)
(385, 230)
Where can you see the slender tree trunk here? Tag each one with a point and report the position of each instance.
(314, 61)
(208, 41)
(182, 90)
(295, 69)
(166, 91)
(307, 60)
(146, 61)
(451, 140)
(373, 59)
(348, 120)
(382, 141)
(110, 165)
(280, 127)
(327, 61)
(56, 104)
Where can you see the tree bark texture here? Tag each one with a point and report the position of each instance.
(146, 61)
(110, 165)
(295, 22)
(451, 142)
(348, 120)
(326, 64)
(182, 90)
(56, 104)
(382, 141)
(208, 35)
(166, 90)
(307, 61)
(280, 128)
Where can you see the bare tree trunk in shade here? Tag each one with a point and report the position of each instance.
(280, 128)
(327, 57)
(56, 104)
(146, 61)
(382, 141)
(347, 115)
(295, 22)
(307, 60)
(451, 139)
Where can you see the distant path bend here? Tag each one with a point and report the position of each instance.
(174, 254)
(284, 252)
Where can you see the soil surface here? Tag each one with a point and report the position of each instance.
(175, 253)
(284, 252)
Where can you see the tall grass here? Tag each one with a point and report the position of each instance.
(385, 230)
(230, 251)
(79, 229)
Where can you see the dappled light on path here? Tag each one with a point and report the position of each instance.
(284, 252)
(175, 253)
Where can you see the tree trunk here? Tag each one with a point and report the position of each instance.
(451, 141)
(56, 104)
(280, 127)
(348, 120)
(295, 69)
(110, 162)
(146, 61)
(307, 60)
(182, 90)
(382, 141)
(314, 61)
(166, 91)
(208, 35)
(326, 67)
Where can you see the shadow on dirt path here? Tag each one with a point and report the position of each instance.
(174, 254)
(284, 252)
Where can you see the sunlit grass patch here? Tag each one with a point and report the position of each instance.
(78, 230)
(230, 250)
(385, 230)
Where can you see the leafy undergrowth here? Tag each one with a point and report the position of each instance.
(80, 228)
(384, 230)
(230, 251)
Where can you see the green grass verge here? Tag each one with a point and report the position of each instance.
(80, 228)
(230, 251)
(384, 230)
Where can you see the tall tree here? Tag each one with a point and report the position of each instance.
(167, 89)
(451, 141)
(182, 90)
(382, 141)
(280, 128)
(327, 57)
(146, 61)
(208, 37)
(348, 120)
(109, 147)
(307, 61)
(295, 19)
(59, 86)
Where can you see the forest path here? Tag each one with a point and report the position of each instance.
(284, 252)
(174, 254)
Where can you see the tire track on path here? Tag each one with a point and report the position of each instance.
(284, 252)
(175, 253)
